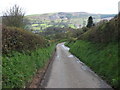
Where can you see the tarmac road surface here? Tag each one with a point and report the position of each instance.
(67, 71)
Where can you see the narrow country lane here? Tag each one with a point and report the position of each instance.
(69, 72)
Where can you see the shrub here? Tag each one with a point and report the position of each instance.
(15, 39)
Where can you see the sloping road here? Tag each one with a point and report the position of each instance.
(69, 72)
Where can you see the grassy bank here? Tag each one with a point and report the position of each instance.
(101, 58)
(19, 68)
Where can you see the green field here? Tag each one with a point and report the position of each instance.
(43, 21)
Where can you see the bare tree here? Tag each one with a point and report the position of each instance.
(14, 17)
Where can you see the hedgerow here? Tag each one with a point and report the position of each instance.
(16, 39)
(103, 32)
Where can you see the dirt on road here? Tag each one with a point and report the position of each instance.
(67, 71)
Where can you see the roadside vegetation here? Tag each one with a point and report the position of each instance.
(23, 52)
(19, 68)
(97, 47)
(26, 50)
(101, 58)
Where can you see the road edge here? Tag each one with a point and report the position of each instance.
(37, 79)
(47, 73)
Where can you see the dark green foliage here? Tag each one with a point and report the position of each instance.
(85, 29)
(118, 25)
(90, 22)
(75, 33)
(15, 39)
(101, 58)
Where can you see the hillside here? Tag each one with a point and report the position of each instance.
(39, 22)
(67, 15)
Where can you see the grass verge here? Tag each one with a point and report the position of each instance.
(101, 58)
(19, 68)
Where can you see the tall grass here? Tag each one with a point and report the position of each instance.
(18, 68)
(101, 58)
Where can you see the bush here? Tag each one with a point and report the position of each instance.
(15, 39)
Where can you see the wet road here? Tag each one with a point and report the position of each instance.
(67, 71)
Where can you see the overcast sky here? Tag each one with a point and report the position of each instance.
(49, 6)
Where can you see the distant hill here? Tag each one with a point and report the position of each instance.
(67, 15)
(63, 19)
